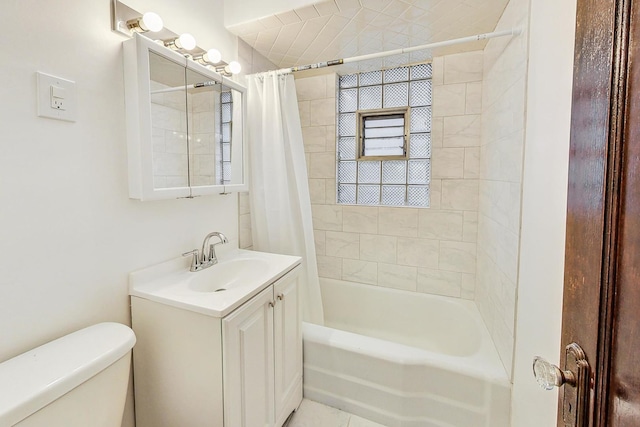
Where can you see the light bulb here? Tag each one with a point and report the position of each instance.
(151, 22)
(213, 56)
(234, 67)
(186, 41)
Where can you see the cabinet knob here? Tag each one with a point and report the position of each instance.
(272, 304)
(280, 297)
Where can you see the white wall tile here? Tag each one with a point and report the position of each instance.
(360, 219)
(449, 100)
(462, 131)
(418, 252)
(327, 217)
(322, 165)
(311, 88)
(398, 222)
(468, 286)
(330, 267)
(470, 226)
(472, 162)
(463, 67)
(460, 194)
(360, 271)
(322, 112)
(447, 162)
(320, 240)
(440, 225)
(378, 248)
(439, 282)
(457, 256)
(317, 191)
(314, 138)
(397, 276)
(474, 98)
(343, 245)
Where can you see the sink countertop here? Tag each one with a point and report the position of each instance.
(171, 282)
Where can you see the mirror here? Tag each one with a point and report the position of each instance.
(185, 125)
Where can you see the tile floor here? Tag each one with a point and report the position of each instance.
(313, 414)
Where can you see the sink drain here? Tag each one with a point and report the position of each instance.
(220, 290)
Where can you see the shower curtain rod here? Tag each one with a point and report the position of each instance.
(485, 36)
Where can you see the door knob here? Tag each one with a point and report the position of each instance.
(549, 375)
(575, 377)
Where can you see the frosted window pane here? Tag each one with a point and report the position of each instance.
(418, 196)
(347, 194)
(371, 78)
(370, 97)
(347, 148)
(368, 194)
(422, 71)
(226, 132)
(369, 172)
(383, 132)
(348, 100)
(226, 113)
(225, 97)
(384, 121)
(394, 172)
(393, 195)
(419, 171)
(420, 146)
(396, 95)
(347, 172)
(420, 93)
(420, 119)
(347, 124)
(226, 152)
(350, 80)
(396, 75)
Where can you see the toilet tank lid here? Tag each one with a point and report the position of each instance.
(34, 379)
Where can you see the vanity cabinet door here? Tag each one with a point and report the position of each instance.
(288, 345)
(248, 363)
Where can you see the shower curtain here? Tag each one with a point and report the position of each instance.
(279, 191)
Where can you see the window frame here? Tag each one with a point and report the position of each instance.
(362, 115)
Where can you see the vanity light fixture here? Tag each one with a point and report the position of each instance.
(212, 56)
(233, 67)
(150, 21)
(185, 42)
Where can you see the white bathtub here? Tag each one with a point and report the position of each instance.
(404, 359)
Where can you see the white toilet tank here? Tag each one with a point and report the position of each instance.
(79, 380)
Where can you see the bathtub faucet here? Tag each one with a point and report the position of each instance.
(201, 259)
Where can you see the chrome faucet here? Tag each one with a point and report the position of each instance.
(202, 260)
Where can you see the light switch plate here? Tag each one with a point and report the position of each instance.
(63, 108)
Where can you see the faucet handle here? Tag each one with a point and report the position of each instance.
(193, 252)
(195, 262)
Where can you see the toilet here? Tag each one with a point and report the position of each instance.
(78, 380)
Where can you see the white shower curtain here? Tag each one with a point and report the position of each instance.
(279, 190)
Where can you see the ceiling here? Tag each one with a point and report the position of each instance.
(333, 29)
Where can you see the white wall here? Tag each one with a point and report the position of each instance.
(543, 206)
(501, 151)
(70, 234)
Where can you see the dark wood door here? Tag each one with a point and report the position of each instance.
(602, 265)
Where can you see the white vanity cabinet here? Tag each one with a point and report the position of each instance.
(262, 357)
(241, 370)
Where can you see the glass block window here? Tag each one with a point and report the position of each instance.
(384, 137)
(224, 153)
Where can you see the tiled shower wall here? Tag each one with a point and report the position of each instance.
(425, 250)
(504, 91)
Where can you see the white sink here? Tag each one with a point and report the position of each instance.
(228, 274)
(215, 291)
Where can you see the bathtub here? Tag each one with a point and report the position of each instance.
(404, 359)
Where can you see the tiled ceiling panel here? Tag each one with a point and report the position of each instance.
(334, 29)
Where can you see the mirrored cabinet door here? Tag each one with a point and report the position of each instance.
(185, 127)
(169, 123)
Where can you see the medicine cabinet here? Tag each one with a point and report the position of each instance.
(185, 125)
